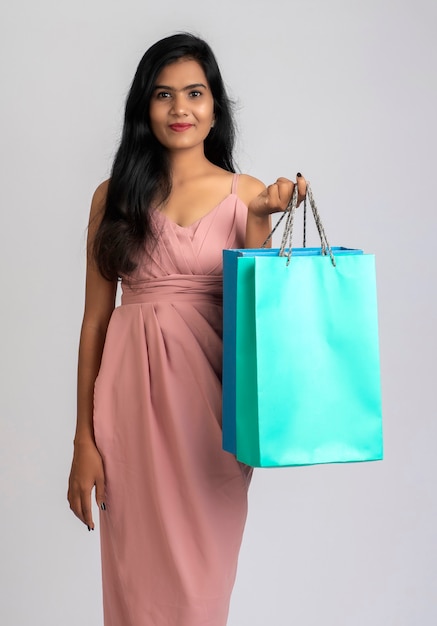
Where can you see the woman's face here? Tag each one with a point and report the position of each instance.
(182, 107)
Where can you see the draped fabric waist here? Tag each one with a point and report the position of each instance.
(174, 288)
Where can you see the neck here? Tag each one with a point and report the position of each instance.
(185, 164)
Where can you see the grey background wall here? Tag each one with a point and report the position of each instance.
(344, 91)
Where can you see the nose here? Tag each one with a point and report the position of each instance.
(179, 104)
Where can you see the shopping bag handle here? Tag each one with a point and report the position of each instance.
(286, 248)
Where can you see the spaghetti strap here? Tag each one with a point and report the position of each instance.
(234, 183)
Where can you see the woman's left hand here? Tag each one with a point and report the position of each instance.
(275, 197)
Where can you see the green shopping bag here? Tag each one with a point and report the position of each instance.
(301, 379)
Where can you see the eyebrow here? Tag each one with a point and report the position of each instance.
(193, 86)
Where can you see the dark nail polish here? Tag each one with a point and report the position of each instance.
(88, 528)
(103, 506)
(299, 175)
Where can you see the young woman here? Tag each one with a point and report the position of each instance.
(172, 502)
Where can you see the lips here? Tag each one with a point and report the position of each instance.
(180, 128)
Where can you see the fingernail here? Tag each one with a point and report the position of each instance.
(103, 506)
(88, 528)
(299, 175)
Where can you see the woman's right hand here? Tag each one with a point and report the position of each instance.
(86, 472)
(275, 197)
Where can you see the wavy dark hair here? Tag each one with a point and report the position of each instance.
(141, 171)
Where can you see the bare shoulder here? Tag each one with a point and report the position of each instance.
(97, 207)
(99, 198)
(249, 187)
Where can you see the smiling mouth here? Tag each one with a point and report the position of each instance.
(179, 128)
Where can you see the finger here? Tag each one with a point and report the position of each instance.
(301, 187)
(279, 194)
(286, 189)
(100, 493)
(76, 506)
(87, 514)
(272, 194)
(271, 200)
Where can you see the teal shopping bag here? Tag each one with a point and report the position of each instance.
(302, 338)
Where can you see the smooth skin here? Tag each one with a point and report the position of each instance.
(182, 97)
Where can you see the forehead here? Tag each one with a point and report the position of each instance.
(180, 73)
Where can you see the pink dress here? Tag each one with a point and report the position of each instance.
(176, 502)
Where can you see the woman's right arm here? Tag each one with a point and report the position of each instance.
(87, 466)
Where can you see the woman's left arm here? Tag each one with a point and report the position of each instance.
(262, 201)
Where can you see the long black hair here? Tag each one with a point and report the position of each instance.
(141, 171)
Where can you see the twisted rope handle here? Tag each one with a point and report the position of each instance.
(276, 225)
(287, 236)
(323, 238)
